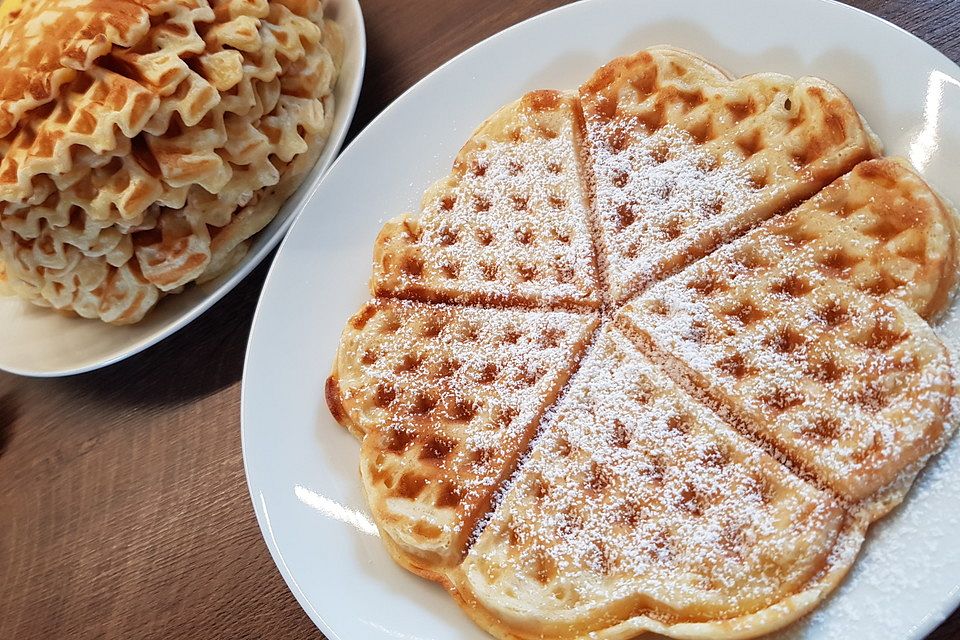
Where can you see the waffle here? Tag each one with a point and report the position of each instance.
(446, 399)
(851, 387)
(640, 509)
(763, 384)
(172, 132)
(683, 158)
(507, 226)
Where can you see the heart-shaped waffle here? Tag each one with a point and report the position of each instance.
(713, 464)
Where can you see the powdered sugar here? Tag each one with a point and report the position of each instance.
(462, 387)
(634, 487)
(850, 388)
(658, 197)
(510, 224)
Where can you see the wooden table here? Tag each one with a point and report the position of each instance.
(123, 506)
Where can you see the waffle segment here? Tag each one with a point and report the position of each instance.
(683, 158)
(852, 387)
(507, 226)
(640, 509)
(446, 399)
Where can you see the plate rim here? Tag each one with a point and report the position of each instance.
(931, 620)
(329, 155)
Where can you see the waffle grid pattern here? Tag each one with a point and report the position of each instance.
(508, 226)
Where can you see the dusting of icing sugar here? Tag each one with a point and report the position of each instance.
(513, 221)
(910, 560)
(659, 195)
(844, 385)
(477, 378)
(634, 487)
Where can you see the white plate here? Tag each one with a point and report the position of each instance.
(37, 342)
(302, 467)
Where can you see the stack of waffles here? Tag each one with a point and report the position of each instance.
(143, 143)
(654, 355)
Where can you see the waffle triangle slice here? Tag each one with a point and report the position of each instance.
(683, 158)
(446, 399)
(852, 387)
(507, 226)
(885, 231)
(640, 509)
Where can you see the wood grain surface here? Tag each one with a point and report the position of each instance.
(124, 511)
